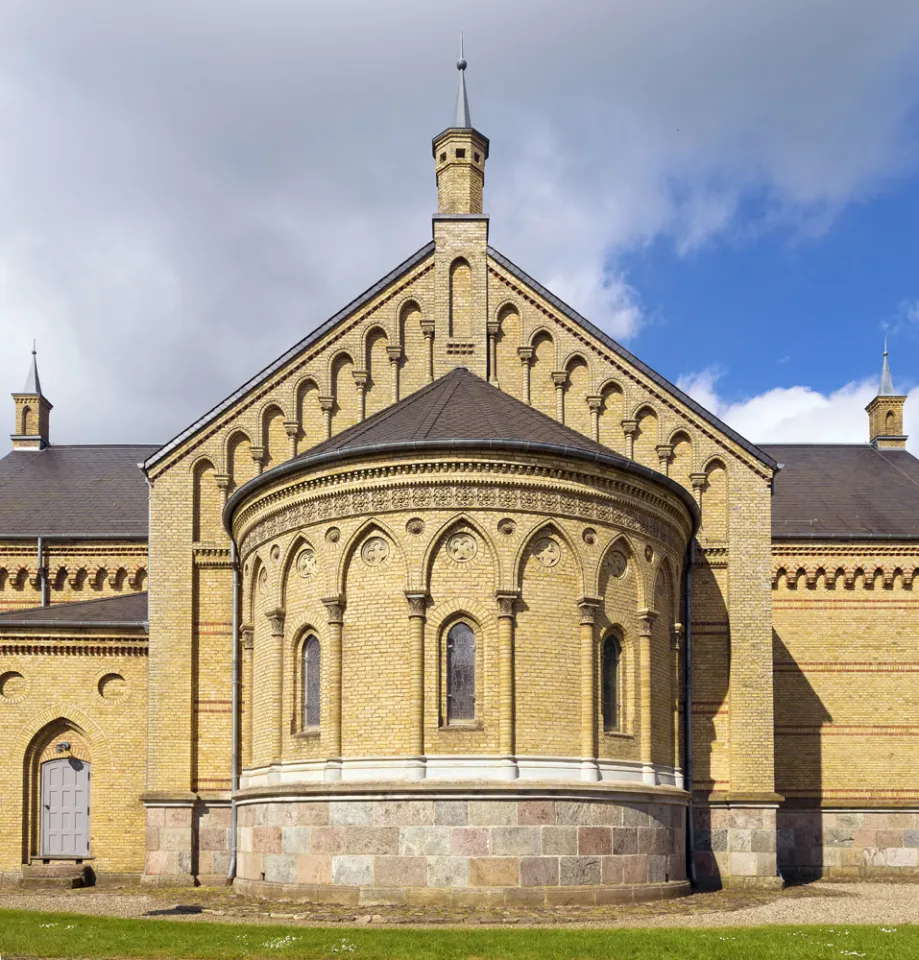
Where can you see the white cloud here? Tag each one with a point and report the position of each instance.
(800, 414)
(175, 176)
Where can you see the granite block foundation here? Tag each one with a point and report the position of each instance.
(522, 851)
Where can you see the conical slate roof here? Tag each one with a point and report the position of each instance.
(458, 409)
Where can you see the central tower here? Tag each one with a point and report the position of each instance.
(461, 241)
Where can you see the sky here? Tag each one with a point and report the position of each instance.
(728, 187)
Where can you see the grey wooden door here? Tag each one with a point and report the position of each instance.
(65, 808)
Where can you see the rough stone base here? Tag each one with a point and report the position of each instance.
(466, 896)
(598, 849)
(847, 844)
(735, 846)
(187, 844)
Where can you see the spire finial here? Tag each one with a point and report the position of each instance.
(886, 387)
(33, 384)
(461, 112)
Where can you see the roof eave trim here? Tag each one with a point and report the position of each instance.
(338, 455)
(272, 368)
(73, 624)
(847, 537)
(630, 358)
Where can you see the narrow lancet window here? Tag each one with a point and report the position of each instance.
(311, 685)
(610, 680)
(460, 674)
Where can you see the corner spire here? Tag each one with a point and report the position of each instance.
(461, 118)
(33, 384)
(886, 387)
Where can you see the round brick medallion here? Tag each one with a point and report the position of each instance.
(306, 563)
(462, 547)
(547, 551)
(374, 551)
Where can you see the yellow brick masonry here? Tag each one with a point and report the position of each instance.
(89, 690)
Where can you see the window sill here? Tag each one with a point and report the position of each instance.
(462, 728)
(310, 734)
(618, 735)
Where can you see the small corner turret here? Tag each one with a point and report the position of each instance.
(32, 412)
(885, 413)
(460, 153)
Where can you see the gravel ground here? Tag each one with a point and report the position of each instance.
(825, 903)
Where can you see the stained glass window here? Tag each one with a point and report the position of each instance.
(610, 670)
(460, 674)
(311, 682)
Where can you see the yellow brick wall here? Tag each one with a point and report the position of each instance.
(60, 697)
(846, 659)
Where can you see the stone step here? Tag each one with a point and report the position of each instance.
(60, 875)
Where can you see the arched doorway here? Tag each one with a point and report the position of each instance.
(56, 785)
(64, 802)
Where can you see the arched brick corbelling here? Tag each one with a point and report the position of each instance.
(304, 627)
(713, 462)
(299, 541)
(642, 407)
(535, 531)
(230, 440)
(202, 460)
(572, 357)
(609, 384)
(263, 415)
(338, 355)
(505, 308)
(437, 541)
(543, 332)
(365, 341)
(680, 431)
(361, 534)
(298, 387)
(404, 312)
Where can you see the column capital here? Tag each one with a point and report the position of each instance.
(247, 636)
(292, 427)
(493, 327)
(646, 618)
(334, 608)
(326, 404)
(698, 480)
(664, 451)
(506, 601)
(258, 454)
(360, 378)
(559, 377)
(587, 608)
(222, 480)
(276, 621)
(525, 354)
(629, 426)
(394, 353)
(427, 329)
(595, 403)
(417, 603)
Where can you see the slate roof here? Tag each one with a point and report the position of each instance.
(78, 491)
(459, 407)
(844, 491)
(460, 411)
(127, 611)
(403, 268)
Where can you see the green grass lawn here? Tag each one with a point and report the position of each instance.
(31, 934)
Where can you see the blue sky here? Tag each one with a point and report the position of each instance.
(730, 187)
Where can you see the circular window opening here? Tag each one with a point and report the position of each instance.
(112, 686)
(12, 685)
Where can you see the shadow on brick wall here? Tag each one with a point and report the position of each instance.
(799, 716)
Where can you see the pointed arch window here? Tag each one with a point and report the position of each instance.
(610, 682)
(460, 674)
(310, 682)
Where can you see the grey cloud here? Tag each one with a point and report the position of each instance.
(188, 188)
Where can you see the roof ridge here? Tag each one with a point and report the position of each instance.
(434, 414)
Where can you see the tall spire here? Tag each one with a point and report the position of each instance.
(886, 388)
(461, 111)
(33, 384)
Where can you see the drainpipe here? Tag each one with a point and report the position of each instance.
(42, 573)
(687, 703)
(234, 734)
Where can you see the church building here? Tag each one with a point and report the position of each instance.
(458, 601)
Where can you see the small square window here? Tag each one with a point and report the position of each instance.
(443, 157)
(476, 157)
(460, 153)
